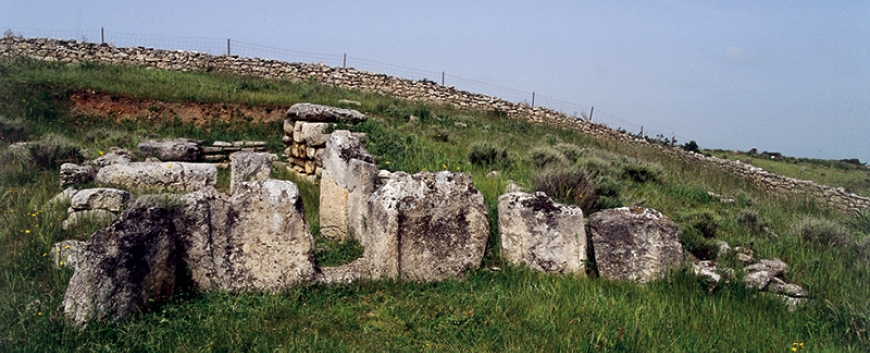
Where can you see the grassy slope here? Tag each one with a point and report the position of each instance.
(508, 310)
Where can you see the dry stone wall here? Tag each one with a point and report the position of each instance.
(76, 51)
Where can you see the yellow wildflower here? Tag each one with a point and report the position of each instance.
(44, 254)
(101, 153)
(27, 231)
(39, 313)
(387, 162)
(66, 247)
(61, 263)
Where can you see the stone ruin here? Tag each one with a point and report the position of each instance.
(305, 134)
(422, 227)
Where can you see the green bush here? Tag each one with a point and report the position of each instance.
(488, 155)
(573, 186)
(571, 151)
(751, 220)
(697, 244)
(542, 157)
(822, 232)
(706, 223)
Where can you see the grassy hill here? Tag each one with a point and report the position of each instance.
(495, 308)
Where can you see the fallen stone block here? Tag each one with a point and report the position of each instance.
(634, 244)
(177, 150)
(249, 166)
(109, 199)
(425, 227)
(546, 236)
(177, 176)
(322, 113)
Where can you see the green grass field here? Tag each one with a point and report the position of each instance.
(495, 308)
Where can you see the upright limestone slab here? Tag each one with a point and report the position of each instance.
(256, 240)
(348, 179)
(546, 236)
(634, 244)
(425, 227)
(126, 267)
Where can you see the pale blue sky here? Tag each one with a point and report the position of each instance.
(786, 76)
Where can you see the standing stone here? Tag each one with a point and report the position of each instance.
(348, 179)
(257, 240)
(634, 244)
(109, 199)
(249, 166)
(126, 267)
(424, 227)
(178, 176)
(546, 236)
(178, 150)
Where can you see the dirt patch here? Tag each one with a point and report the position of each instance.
(95, 104)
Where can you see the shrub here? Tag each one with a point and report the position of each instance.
(822, 232)
(578, 186)
(571, 151)
(691, 146)
(545, 157)
(706, 223)
(751, 220)
(488, 155)
(697, 244)
(642, 172)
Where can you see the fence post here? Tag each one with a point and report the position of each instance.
(102, 35)
(533, 99)
(442, 78)
(344, 62)
(228, 47)
(591, 110)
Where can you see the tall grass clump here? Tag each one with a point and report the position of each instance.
(822, 232)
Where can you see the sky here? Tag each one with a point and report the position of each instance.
(781, 76)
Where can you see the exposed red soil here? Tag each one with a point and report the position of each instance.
(95, 104)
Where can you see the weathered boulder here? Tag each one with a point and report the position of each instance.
(178, 176)
(100, 198)
(126, 267)
(634, 244)
(249, 166)
(76, 218)
(310, 134)
(546, 236)
(348, 179)
(322, 113)
(177, 150)
(66, 254)
(256, 240)
(71, 174)
(426, 226)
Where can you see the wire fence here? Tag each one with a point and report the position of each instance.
(217, 46)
